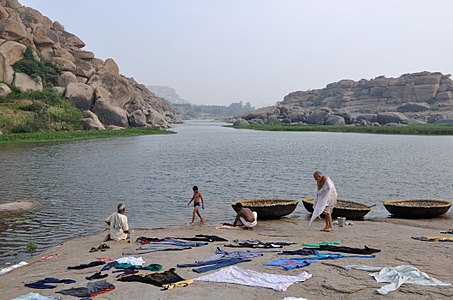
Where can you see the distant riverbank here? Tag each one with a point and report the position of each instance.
(55, 136)
(431, 129)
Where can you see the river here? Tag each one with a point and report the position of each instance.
(78, 184)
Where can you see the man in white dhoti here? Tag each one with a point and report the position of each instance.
(326, 199)
(119, 228)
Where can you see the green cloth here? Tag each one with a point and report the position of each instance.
(321, 244)
(151, 267)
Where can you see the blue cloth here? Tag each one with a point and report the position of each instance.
(42, 284)
(175, 242)
(213, 264)
(109, 266)
(299, 262)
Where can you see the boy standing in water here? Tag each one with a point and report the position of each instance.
(196, 203)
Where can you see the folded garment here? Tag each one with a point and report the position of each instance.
(93, 289)
(247, 277)
(42, 284)
(85, 266)
(157, 279)
(344, 249)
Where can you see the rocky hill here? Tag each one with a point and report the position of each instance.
(92, 84)
(167, 93)
(418, 97)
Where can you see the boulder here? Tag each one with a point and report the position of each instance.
(4, 90)
(14, 4)
(66, 78)
(318, 116)
(348, 117)
(335, 120)
(391, 124)
(109, 67)
(258, 121)
(3, 13)
(286, 121)
(367, 117)
(60, 90)
(425, 92)
(57, 26)
(114, 127)
(109, 114)
(71, 40)
(100, 93)
(120, 89)
(91, 122)
(156, 119)
(391, 117)
(10, 52)
(137, 119)
(413, 107)
(83, 55)
(134, 104)
(436, 117)
(26, 83)
(84, 69)
(241, 122)
(12, 30)
(82, 95)
(64, 64)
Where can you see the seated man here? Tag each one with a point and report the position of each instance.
(118, 224)
(245, 216)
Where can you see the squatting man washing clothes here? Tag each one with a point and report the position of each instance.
(117, 221)
(325, 200)
(245, 216)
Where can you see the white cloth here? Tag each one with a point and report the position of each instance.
(399, 275)
(131, 260)
(250, 224)
(326, 196)
(34, 296)
(6, 270)
(118, 226)
(247, 277)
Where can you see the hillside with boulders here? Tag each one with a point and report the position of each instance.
(38, 54)
(423, 97)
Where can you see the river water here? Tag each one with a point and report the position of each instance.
(78, 184)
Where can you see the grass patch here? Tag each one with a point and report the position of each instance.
(428, 129)
(54, 136)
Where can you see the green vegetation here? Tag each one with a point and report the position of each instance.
(37, 69)
(53, 136)
(428, 129)
(31, 246)
(33, 111)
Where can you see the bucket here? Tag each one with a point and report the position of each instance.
(341, 221)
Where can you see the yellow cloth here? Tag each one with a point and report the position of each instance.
(183, 283)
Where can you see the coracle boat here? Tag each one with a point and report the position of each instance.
(417, 209)
(349, 209)
(268, 208)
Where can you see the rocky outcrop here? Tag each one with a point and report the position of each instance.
(89, 82)
(4, 90)
(91, 122)
(413, 97)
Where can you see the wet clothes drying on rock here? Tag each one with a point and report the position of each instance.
(85, 266)
(247, 277)
(43, 284)
(204, 238)
(91, 290)
(235, 254)
(157, 279)
(299, 262)
(213, 264)
(298, 252)
(344, 249)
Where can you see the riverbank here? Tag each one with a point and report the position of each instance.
(329, 279)
(57, 136)
(428, 129)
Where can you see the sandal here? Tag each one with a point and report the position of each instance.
(93, 249)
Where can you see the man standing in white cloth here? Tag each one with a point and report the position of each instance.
(326, 199)
(118, 224)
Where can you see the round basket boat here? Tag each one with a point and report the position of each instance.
(268, 208)
(417, 209)
(349, 209)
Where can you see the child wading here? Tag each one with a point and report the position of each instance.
(197, 203)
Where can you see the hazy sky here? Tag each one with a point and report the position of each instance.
(223, 51)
